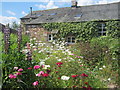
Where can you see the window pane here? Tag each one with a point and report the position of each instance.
(49, 35)
(104, 34)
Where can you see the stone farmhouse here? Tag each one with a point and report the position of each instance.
(32, 22)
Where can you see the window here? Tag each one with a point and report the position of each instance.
(50, 37)
(78, 15)
(39, 15)
(102, 30)
(71, 39)
(53, 14)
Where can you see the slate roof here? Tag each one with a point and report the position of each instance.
(72, 14)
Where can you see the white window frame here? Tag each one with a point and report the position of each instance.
(102, 30)
(50, 38)
(71, 40)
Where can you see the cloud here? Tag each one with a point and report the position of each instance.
(85, 2)
(11, 13)
(5, 20)
(24, 0)
(103, 2)
(50, 5)
(107, 1)
(24, 13)
(97, 1)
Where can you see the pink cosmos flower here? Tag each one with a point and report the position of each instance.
(81, 65)
(74, 76)
(59, 63)
(12, 76)
(29, 68)
(35, 83)
(38, 74)
(18, 73)
(36, 66)
(19, 70)
(41, 72)
(72, 54)
(77, 56)
(84, 75)
(45, 75)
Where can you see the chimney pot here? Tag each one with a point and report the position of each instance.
(31, 11)
(74, 3)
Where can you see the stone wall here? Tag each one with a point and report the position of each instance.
(38, 33)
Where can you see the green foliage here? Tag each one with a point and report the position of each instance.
(83, 30)
(113, 29)
(15, 59)
(1, 37)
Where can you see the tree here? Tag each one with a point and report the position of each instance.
(14, 25)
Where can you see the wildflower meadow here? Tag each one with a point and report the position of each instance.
(87, 65)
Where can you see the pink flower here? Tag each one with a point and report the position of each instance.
(19, 70)
(43, 66)
(79, 57)
(74, 76)
(18, 73)
(35, 83)
(84, 75)
(29, 68)
(36, 66)
(81, 65)
(59, 63)
(38, 74)
(72, 54)
(41, 72)
(45, 75)
(12, 76)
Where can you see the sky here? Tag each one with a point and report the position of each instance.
(13, 10)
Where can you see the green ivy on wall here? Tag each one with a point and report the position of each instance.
(113, 28)
(83, 30)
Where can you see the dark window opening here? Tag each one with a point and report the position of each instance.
(50, 37)
(71, 40)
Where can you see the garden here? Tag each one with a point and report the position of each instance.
(35, 64)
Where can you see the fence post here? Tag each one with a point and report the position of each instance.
(19, 37)
(7, 38)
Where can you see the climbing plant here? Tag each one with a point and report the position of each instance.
(83, 30)
(113, 28)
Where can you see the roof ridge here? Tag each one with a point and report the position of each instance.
(50, 9)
